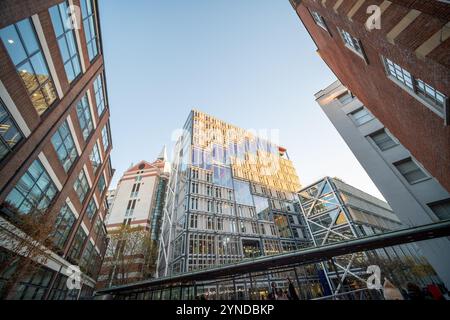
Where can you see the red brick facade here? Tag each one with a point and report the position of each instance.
(43, 127)
(420, 130)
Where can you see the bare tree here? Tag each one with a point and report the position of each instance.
(29, 240)
(131, 252)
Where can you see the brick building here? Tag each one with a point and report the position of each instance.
(55, 139)
(134, 223)
(400, 72)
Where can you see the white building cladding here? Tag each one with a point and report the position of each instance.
(335, 212)
(134, 197)
(415, 196)
(216, 212)
(137, 202)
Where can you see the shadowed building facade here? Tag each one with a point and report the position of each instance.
(55, 141)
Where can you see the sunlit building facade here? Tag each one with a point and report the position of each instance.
(231, 197)
(134, 223)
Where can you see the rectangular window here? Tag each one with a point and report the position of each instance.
(352, 43)
(99, 95)
(90, 30)
(86, 256)
(64, 223)
(25, 52)
(434, 96)
(361, 116)
(64, 146)
(65, 37)
(84, 117)
(399, 73)
(383, 140)
(91, 209)
(101, 184)
(345, 98)
(34, 192)
(95, 158)
(33, 286)
(105, 137)
(318, 19)
(78, 243)
(81, 186)
(10, 134)
(410, 171)
(441, 209)
(419, 89)
(193, 221)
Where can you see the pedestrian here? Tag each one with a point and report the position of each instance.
(435, 292)
(281, 295)
(292, 292)
(414, 292)
(390, 291)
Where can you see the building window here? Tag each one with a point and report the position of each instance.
(105, 137)
(101, 184)
(352, 43)
(64, 223)
(95, 158)
(65, 147)
(430, 93)
(86, 256)
(130, 208)
(81, 186)
(399, 73)
(25, 52)
(135, 190)
(410, 171)
(194, 203)
(34, 192)
(66, 40)
(84, 117)
(441, 209)
(318, 19)
(262, 228)
(419, 89)
(10, 134)
(220, 224)
(91, 209)
(90, 30)
(210, 223)
(99, 94)
(345, 98)
(78, 243)
(361, 116)
(34, 286)
(383, 140)
(193, 222)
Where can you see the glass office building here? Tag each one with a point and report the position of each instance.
(231, 197)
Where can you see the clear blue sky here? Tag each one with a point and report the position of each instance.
(248, 62)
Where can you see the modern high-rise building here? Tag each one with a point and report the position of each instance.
(416, 197)
(134, 223)
(393, 55)
(335, 212)
(231, 197)
(55, 145)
